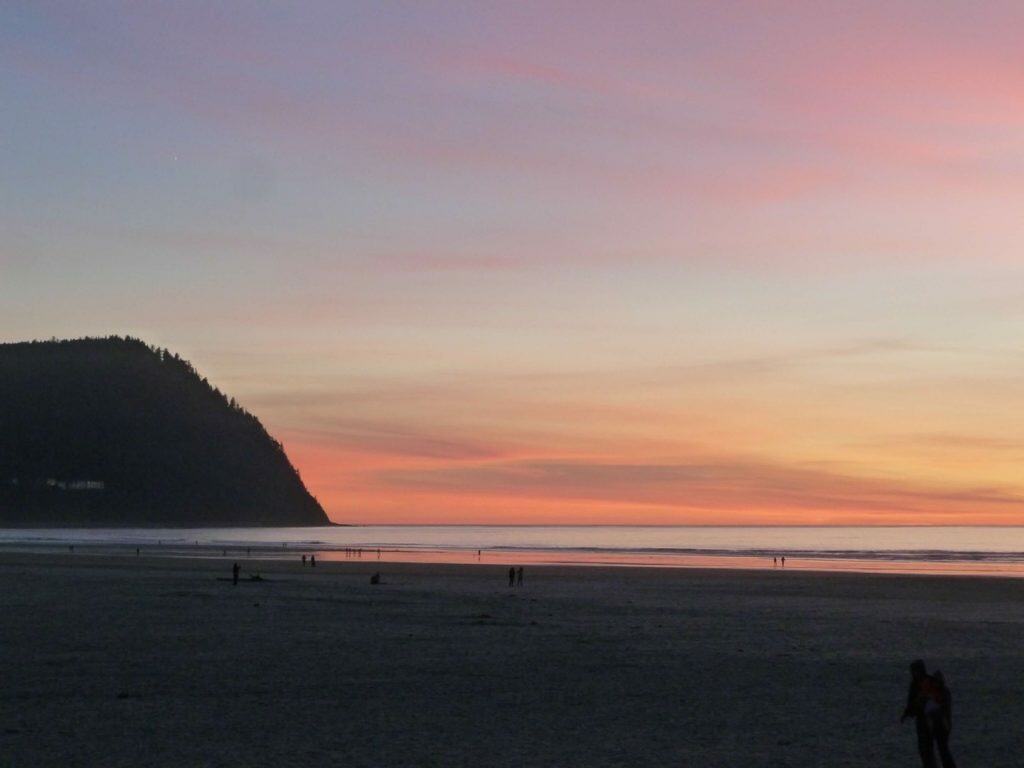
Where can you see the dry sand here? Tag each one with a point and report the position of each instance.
(124, 661)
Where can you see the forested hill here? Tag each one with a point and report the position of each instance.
(115, 432)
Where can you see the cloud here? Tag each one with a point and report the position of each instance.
(788, 360)
(729, 487)
(366, 436)
(729, 368)
(956, 442)
(679, 124)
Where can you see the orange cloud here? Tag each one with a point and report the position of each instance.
(735, 489)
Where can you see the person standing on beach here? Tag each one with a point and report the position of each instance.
(512, 577)
(303, 559)
(919, 696)
(519, 577)
(940, 718)
(234, 574)
(783, 561)
(312, 561)
(775, 561)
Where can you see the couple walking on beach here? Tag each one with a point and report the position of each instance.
(930, 703)
(515, 578)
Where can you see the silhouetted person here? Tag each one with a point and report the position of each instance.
(378, 553)
(519, 577)
(783, 561)
(234, 574)
(940, 718)
(922, 690)
(478, 554)
(511, 577)
(312, 561)
(775, 561)
(303, 559)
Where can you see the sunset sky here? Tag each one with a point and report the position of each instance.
(548, 262)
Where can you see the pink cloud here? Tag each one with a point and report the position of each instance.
(730, 487)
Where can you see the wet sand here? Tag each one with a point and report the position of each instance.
(125, 661)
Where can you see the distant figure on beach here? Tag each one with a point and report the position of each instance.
(478, 554)
(378, 553)
(519, 577)
(783, 561)
(775, 561)
(303, 559)
(136, 551)
(512, 577)
(312, 561)
(941, 719)
(916, 695)
(930, 703)
(375, 579)
(234, 574)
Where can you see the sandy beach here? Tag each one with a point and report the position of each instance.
(152, 661)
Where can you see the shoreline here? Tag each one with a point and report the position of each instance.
(968, 551)
(271, 559)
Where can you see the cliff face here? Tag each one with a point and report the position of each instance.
(114, 432)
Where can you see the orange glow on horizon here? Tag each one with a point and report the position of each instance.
(364, 489)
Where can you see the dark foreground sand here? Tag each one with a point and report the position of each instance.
(131, 662)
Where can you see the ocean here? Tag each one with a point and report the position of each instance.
(977, 550)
